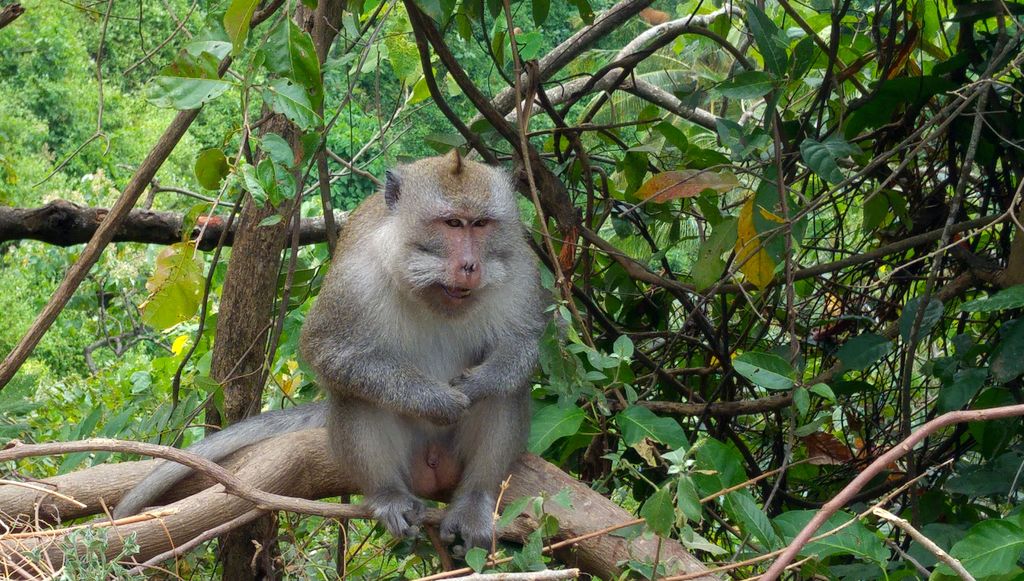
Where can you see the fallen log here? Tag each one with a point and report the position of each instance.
(300, 465)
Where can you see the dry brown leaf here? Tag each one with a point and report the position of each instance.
(825, 449)
(686, 183)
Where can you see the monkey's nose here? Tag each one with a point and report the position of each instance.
(469, 268)
(470, 274)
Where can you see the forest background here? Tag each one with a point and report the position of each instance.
(780, 237)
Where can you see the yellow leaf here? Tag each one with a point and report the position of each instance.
(755, 264)
(292, 365)
(687, 183)
(179, 344)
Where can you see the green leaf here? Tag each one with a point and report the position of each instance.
(476, 558)
(1011, 298)
(963, 386)
(1007, 360)
(289, 52)
(623, 347)
(637, 423)
(292, 101)
(932, 314)
(529, 44)
(540, 11)
(687, 498)
(770, 41)
(747, 85)
(742, 509)
(551, 423)
(991, 548)
(855, 540)
(821, 156)
(512, 510)
(709, 266)
(236, 22)
(175, 287)
(718, 466)
(659, 511)
(271, 220)
(824, 391)
(765, 369)
(863, 350)
(802, 400)
(278, 149)
(211, 168)
(673, 135)
(188, 82)
(253, 185)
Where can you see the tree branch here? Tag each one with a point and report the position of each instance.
(65, 224)
(298, 464)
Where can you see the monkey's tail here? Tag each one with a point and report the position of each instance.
(217, 446)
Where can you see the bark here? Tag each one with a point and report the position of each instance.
(64, 223)
(300, 464)
(243, 327)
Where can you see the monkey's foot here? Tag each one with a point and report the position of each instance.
(399, 512)
(469, 516)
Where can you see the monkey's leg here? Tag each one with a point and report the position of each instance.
(377, 446)
(488, 439)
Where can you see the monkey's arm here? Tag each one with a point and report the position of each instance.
(506, 369)
(380, 378)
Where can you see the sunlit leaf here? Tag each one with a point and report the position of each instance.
(292, 101)
(211, 167)
(687, 183)
(175, 287)
(765, 369)
(992, 547)
(754, 262)
(637, 423)
(236, 21)
(551, 423)
(1011, 298)
(188, 82)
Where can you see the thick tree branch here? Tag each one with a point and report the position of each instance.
(65, 224)
(300, 464)
(9, 14)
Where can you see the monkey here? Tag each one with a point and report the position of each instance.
(424, 337)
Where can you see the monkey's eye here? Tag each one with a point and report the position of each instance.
(454, 223)
(481, 222)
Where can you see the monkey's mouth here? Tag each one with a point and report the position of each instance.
(456, 293)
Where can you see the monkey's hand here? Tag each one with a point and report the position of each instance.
(444, 405)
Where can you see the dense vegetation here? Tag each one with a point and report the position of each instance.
(779, 239)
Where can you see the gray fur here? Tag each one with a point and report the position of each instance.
(217, 446)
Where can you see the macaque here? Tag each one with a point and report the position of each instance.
(424, 336)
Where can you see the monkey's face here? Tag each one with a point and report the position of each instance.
(454, 261)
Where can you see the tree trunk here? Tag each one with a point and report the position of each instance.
(245, 318)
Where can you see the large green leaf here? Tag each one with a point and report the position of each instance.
(290, 53)
(211, 167)
(854, 540)
(236, 22)
(175, 287)
(718, 466)
(1011, 298)
(1008, 356)
(709, 265)
(638, 422)
(769, 39)
(551, 423)
(991, 547)
(821, 156)
(188, 82)
(291, 100)
(964, 386)
(765, 369)
(747, 85)
(659, 511)
(742, 509)
(863, 350)
(932, 314)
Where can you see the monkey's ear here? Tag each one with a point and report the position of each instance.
(391, 189)
(455, 159)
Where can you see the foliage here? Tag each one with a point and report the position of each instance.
(788, 207)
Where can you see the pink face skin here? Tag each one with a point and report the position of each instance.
(463, 237)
